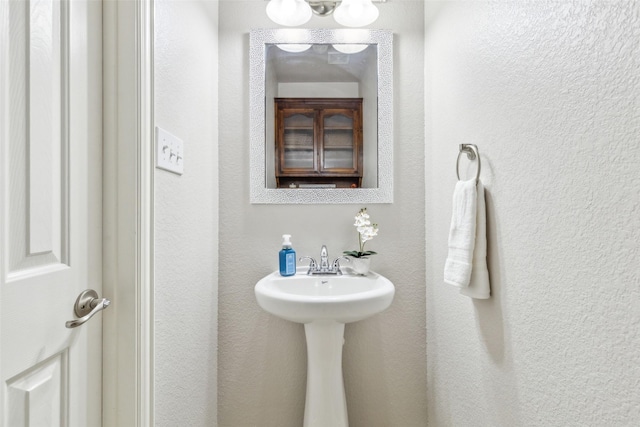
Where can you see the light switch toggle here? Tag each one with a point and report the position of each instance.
(169, 152)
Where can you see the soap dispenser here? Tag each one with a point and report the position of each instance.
(287, 257)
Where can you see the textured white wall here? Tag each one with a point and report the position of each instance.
(262, 359)
(550, 92)
(186, 215)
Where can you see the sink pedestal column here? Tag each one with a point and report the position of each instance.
(325, 404)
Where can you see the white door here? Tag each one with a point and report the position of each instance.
(50, 211)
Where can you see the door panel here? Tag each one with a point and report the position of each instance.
(36, 119)
(50, 166)
(38, 397)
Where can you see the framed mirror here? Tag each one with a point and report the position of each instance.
(341, 66)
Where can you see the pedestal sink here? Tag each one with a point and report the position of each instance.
(324, 303)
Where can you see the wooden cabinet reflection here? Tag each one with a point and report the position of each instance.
(318, 142)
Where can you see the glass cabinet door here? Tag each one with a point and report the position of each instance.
(298, 141)
(338, 140)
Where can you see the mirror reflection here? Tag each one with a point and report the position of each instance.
(321, 115)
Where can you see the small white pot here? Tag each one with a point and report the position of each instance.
(360, 265)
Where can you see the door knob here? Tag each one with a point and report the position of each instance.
(87, 304)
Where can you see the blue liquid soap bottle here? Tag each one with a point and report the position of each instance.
(287, 257)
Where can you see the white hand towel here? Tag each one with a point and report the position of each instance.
(462, 235)
(479, 286)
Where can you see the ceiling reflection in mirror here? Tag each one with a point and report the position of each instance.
(337, 66)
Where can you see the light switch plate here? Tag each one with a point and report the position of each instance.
(169, 152)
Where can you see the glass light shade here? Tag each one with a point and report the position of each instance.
(289, 13)
(356, 13)
(294, 48)
(350, 48)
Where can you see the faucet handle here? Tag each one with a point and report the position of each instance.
(312, 263)
(336, 264)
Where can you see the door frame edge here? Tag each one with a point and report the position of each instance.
(128, 266)
(145, 244)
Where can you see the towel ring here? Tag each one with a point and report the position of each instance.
(472, 154)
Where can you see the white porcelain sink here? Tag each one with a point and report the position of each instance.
(304, 299)
(324, 303)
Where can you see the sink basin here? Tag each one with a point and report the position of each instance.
(304, 299)
(324, 303)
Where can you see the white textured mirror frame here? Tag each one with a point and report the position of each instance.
(259, 193)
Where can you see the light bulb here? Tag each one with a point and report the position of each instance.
(289, 13)
(356, 13)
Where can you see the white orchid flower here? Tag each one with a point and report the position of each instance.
(366, 232)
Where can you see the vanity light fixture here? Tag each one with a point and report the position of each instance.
(289, 13)
(356, 13)
(350, 13)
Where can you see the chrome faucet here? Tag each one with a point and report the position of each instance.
(324, 258)
(325, 267)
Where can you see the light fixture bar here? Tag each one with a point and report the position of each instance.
(330, 4)
(339, 1)
(326, 7)
(323, 8)
(350, 13)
